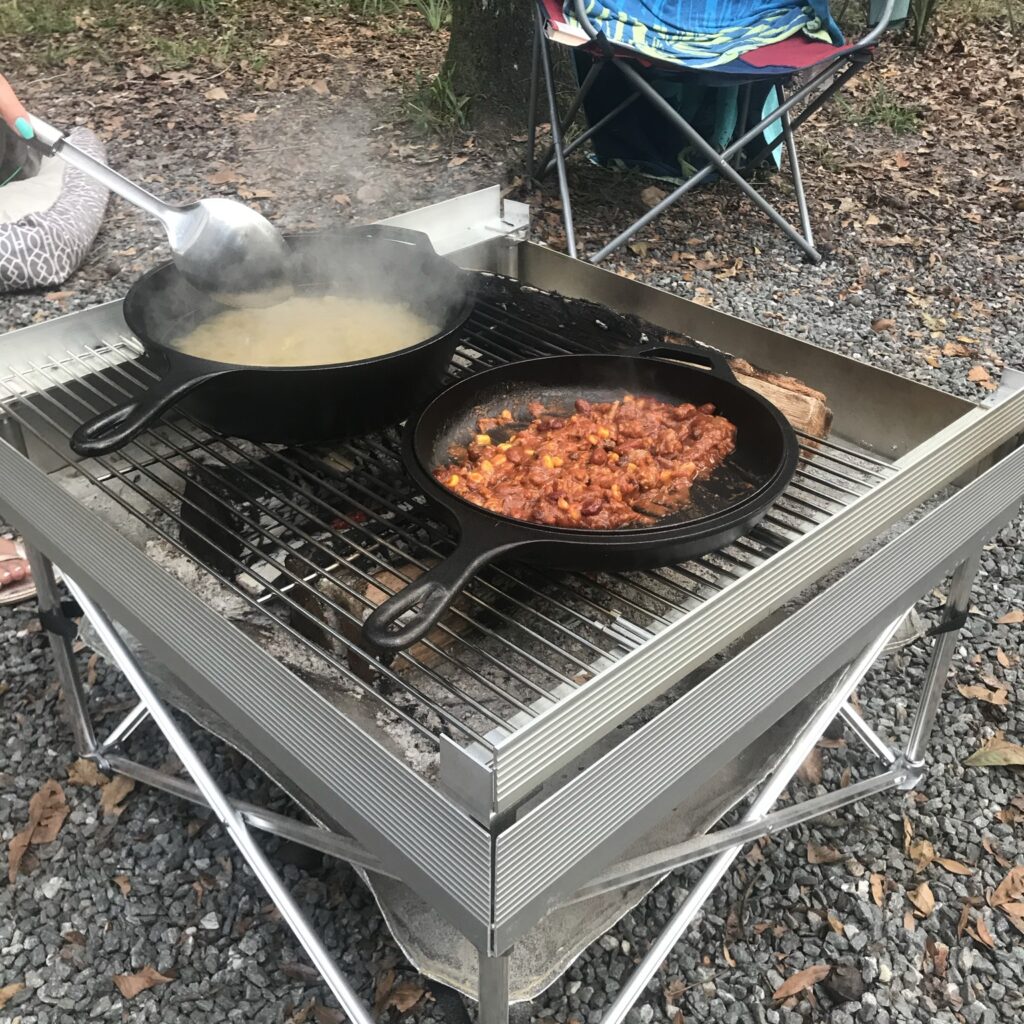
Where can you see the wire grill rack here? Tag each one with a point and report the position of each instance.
(311, 539)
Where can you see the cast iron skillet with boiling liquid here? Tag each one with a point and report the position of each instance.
(294, 404)
(722, 508)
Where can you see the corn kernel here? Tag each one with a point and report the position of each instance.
(593, 439)
(531, 452)
(487, 466)
(548, 462)
(563, 504)
(628, 398)
(603, 432)
(504, 446)
(616, 492)
(506, 415)
(476, 477)
(499, 459)
(483, 439)
(613, 456)
(558, 461)
(453, 480)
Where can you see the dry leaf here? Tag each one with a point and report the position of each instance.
(248, 117)
(981, 933)
(908, 835)
(405, 995)
(978, 374)
(216, 93)
(114, 792)
(922, 899)
(728, 956)
(673, 990)
(878, 890)
(121, 881)
(320, 87)
(940, 958)
(954, 866)
(1003, 658)
(85, 773)
(822, 854)
(46, 813)
(922, 853)
(811, 769)
(993, 850)
(997, 696)
(835, 924)
(996, 752)
(796, 983)
(882, 324)
(225, 176)
(8, 992)
(328, 1014)
(1010, 889)
(652, 195)
(965, 916)
(130, 985)
(1014, 618)
(381, 991)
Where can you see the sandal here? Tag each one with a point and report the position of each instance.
(17, 590)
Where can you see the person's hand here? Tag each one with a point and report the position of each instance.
(13, 112)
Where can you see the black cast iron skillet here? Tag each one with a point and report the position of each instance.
(721, 509)
(295, 404)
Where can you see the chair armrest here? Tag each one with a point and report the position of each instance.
(585, 23)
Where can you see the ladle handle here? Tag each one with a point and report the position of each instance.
(53, 142)
(116, 427)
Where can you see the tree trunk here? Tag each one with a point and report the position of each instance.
(489, 58)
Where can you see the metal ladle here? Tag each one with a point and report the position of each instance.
(221, 247)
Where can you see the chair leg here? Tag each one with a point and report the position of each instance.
(531, 128)
(794, 168)
(737, 159)
(574, 108)
(711, 154)
(556, 141)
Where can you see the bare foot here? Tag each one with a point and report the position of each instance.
(13, 568)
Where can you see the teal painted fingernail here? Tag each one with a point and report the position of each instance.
(25, 130)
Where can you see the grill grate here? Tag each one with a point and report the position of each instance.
(305, 536)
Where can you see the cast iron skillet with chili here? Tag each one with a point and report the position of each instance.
(726, 506)
(294, 404)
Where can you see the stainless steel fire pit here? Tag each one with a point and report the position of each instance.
(563, 740)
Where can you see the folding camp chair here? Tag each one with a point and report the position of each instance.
(827, 66)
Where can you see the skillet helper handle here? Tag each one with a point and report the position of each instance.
(434, 591)
(118, 426)
(717, 362)
(394, 233)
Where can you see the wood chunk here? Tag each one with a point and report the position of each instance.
(802, 405)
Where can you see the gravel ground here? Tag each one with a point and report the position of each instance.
(67, 925)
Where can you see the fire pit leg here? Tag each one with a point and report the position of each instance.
(938, 667)
(60, 629)
(228, 816)
(637, 982)
(493, 989)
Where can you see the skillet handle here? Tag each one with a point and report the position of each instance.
(118, 426)
(715, 361)
(393, 233)
(434, 591)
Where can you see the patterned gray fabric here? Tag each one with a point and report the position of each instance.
(44, 249)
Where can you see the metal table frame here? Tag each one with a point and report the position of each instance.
(493, 858)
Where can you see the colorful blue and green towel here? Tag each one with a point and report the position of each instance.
(707, 33)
